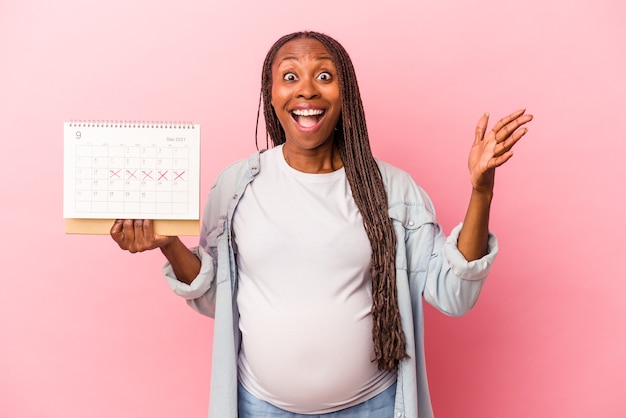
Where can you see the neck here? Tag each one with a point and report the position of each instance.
(324, 159)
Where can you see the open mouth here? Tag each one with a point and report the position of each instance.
(307, 118)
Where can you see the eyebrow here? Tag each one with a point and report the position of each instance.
(296, 58)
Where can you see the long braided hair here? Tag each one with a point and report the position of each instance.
(367, 188)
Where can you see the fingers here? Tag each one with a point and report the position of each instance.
(138, 231)
(148, 230)
(505, 145)
(481, 128)
(138, 240)
(117, 232)
(133, 235)
(509, 124)
(116, 228)
(497, 161)
(507, 119)
(123, 232)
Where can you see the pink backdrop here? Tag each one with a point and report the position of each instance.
(88, 330)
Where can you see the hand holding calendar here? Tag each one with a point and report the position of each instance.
(137, 235)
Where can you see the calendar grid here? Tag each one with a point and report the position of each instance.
(150, 175)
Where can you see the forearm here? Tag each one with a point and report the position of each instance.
(185, 263)
(474, 236)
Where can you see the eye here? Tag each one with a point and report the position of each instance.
(325, 76)
(289, 77)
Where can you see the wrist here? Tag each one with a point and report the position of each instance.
(168, 246)
(482, 195)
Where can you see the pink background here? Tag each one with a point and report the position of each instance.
(89, 331)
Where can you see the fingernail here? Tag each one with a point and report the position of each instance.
(487, 114)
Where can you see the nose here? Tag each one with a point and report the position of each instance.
(307, 89)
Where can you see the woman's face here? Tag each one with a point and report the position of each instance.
(305, 93)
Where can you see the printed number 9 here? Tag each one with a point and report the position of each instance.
(78, 134)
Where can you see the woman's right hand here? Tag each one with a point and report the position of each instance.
(137, 235)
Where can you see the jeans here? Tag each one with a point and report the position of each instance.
(380, 406)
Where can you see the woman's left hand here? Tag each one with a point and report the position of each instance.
(493, 149)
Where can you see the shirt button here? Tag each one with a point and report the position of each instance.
(399, 414)
(234, 196)
(411, 223)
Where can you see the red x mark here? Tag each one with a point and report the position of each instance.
(147, 175)
(179, 175)
(162, 175)
(115, 173)
(131, 175)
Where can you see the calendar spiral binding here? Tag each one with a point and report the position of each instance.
(130, 124)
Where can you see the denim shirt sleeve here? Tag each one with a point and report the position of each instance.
(469, 270)
(200, 285)
(452, 283)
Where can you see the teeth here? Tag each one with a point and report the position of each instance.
(308, 112)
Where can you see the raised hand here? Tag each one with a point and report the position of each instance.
(492, 149)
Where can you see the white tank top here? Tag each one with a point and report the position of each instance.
(304, 292)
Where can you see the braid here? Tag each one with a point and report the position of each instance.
(368, 191)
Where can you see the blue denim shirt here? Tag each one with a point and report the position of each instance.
(428, 267)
